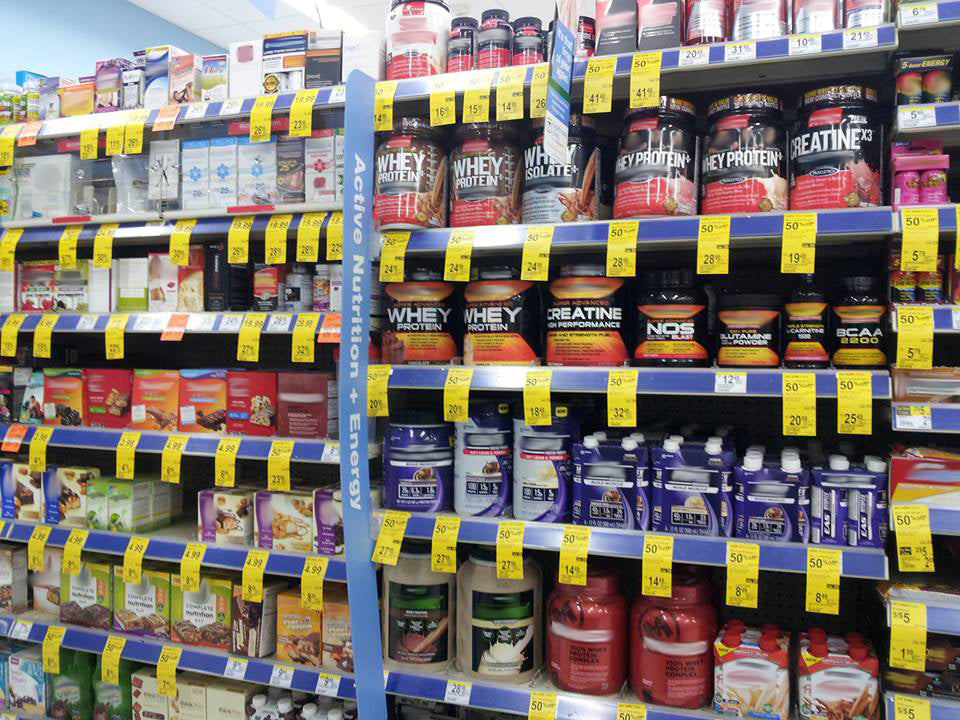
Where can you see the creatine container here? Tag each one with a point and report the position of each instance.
(672, 321)
(748, 330)
(805, 343)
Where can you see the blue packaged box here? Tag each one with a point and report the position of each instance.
(771, 501)
(609, 481)
(691, 490)
(849, 503)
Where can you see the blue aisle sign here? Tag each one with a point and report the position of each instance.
(354, 343)
(557, 121)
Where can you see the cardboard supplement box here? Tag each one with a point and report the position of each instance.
(142, 608)
(148, 703)
(65, 495)
(254, 631)
(155, 400)
(203, 401)
(299, 631)
(87, 599)
(337, 637)
(13, 577)
(225, 516)
(203, 617)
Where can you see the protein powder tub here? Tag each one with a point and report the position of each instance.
(586, 42)
(542, 467)
(483, 461)
(672, 321)
(420, 322)
(813, 16)
(748, 331)
(462, 45)
(529, 47)
(744, 165)
(836, 150)
(493, 40)
(501, 318)
(485, 181)
(561, 192)
(418, 464)
(656, 168)
(857, 321)
(417, 33)
(706, 22)
(805, 327)
(410, 188)
(586, 323)
(758, 20)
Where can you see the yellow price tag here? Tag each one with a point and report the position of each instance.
(335, 237)
(8, 136)
(238, 239)
(383, 105)
(622, 248)
(133, 132)
(301, 113)
(510, 93)
(743, 574)
(456, 263)
(907, 707)
(538, 90)
(8, 336)
(248, 339)
(535, 262)
(476, 97)
(854, 402)
(89, 142)
(911, 523)
(915, 337)
(38, 449)
(113, 336)
(510, 550)
(67, 247)
(443, 102)
(908, 635)
(598, 84)
(631, 711)
(392, 256)
(713, 245)
(456, 395)
(799, 404)
(261, 118)
(42, 336)
(308, 237)
(574, 546)
(103, 245)
(378, 381)
(190, 563)
(823, 580)
(645, 80)
(126, 454)
(110, 659)
(51, 649)
(275, 240)
(543, 706)
(180, 241)
(36, 547)
(278, 465)
(73, 550)
(252, 576)
(225, 462)
(171, 457)
(114, 140)
(390, 537)
(622, 398)
(311, 582)
(921, 239)
(133, 559)
(536, 397)
(798, 251)
(656, 577)
(167, 670)
(8, 248)
(304, 341)
(443, 548)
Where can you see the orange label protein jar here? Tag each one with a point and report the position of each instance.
(748, 331)
(420, 321)
(501, 319)
(805, 327)
(486, 170)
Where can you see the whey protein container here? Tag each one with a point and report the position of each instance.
(758, 19)
(812, 16)
(494, 40)
(857, 320)
(744, 162)
(410, 189)
(586, 318)
(561, 192)
(483, 460)
(707, 22)
(419, 328)
(417, 33)
(529, 47)
(836, 150)
(805, 343)
(542, 466)
(656, 168)
(418, 463)
(485, 175)
(462, 45)
(748, 331)
(501, 318)
(863, 13)
(672, 321)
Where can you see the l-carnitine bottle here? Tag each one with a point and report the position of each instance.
(805, 327)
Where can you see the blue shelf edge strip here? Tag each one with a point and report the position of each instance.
(940, 708)
(943, 418)
(148, 651)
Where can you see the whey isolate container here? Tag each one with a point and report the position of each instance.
(561, 192)
(748, 331)
(485, 175)
(672, 321)
(421, 320)
(857, 320)
(543, 468)
(410, 185)
(483, 460)
(501, 318)
(418, 463)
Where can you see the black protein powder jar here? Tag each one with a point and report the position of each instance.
(421, 320)
(672, 321)
(561, 192)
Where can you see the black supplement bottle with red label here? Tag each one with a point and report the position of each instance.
(672, 321)
(805, 316)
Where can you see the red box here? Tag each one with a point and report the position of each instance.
(203, 401)
(106, 398)
(156, 399)
(36, 285)
(251, 403)
(302, 404)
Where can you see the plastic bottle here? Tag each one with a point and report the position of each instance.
(805, 327)
(857, 325)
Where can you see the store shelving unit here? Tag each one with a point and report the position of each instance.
(929, 122)
(940, 708)
(946, 318)
(942, 617)
(929, 417)
(923, 25)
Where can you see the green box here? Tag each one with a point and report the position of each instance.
(87, 599)
(98, 503)
(131, 505)
(204, 617)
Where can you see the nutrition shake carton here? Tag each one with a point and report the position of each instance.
(836, 677)
(691, 489)
(751, 671)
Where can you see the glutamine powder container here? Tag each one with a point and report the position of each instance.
(836, 149)
(748, 331)
(561, 192)
(483, 460)
(543, 466)
(744, 162)
(416, 39)
(485, 175)
(421, 320)
(672, 321)
(410, 188)
(656, 168)
(418, 463)
(586, 318)
(501, 318)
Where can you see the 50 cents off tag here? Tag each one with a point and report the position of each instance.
(622, 248)
(657, 575)
(631, 711)
(543, 706)
(510, 550)
(536, 397)
(456, 264)
(167, 670)
(278, 465)
(915, 337)
(110, 660)
(443, 548)
(743, 574)
(911, 523)
(574, 547)
(622, 398)
(823, 580)
(799, 404)
(908, 635)
(921, 238)
(456, 394)
(713, 245)
(854, 402)
(51, 649)
(378, 382)
(390, 537)
(799, 246)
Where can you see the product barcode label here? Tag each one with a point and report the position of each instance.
(913, 417)
(916, 116)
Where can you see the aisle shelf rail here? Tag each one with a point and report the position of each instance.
(869, 563)
(147, 650)
(922, 25)
(936, 418)
(942, 618)
(938, 121)
(946, 318)
(940, 708)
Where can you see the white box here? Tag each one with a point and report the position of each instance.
(338, 142)
(45, 186)
(364, 52)
(8, 291)
(223, 172)
(319, 155)
(284, 61)
(163, 283)
(130, 281)
(256, 172)
(195, 174)
(244, 75)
